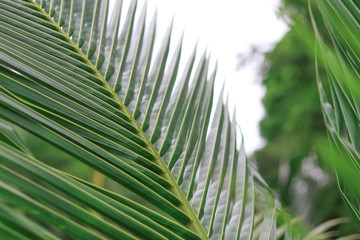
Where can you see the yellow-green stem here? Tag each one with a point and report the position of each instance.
(195, 224)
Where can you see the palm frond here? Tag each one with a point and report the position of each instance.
(84, 79)
(341, 108)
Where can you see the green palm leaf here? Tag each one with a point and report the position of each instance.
(87, 80)
(341, 108)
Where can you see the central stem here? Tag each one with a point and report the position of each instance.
(195, 224)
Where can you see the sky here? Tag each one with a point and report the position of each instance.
(226, 29)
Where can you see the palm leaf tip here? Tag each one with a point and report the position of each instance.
(92, 88)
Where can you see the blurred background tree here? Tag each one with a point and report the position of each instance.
(293, 125)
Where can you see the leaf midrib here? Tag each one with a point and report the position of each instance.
(195, 224)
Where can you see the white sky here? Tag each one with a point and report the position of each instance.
(226, 28)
